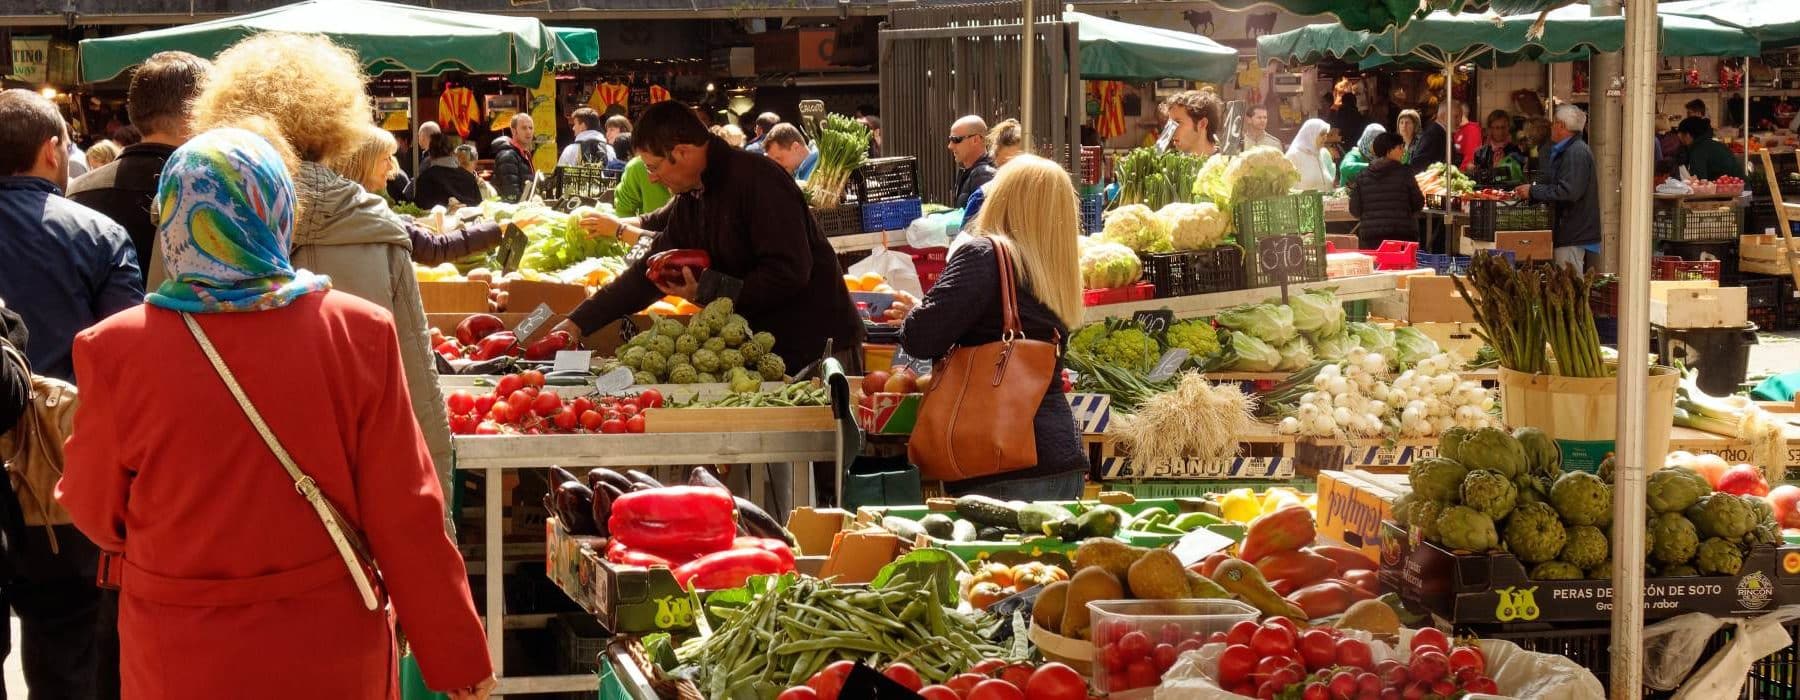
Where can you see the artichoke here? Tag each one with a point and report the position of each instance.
(1672, 539)
(764, 340)
(1464, 528)
(1679, 570)
(1602, 571)
(1764, 533)
(687, 344)
(1423, 514)
(1534, 534)
(662, 345)
(705, 360)
(1555, 571)
(714, 344)
(1606, 469)
(1582, 499)
(1437, 479)
(1533, 489)
(772, 368)
(1718, 557)
(1586, 547)
(1674, 489)
(1402, 508)
(1722, 515)
(642, 377)
(1494, 450)
(631, 356)
(1542, 456)
(1490, 493)
(683, 374)
(670, 328)
(1451, 442)
(719, 308)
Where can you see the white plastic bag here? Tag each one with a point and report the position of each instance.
(1723, 675)
(895, 267)
(1673, 646)
(934, 230)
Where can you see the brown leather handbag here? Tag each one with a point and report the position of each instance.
(976, 418)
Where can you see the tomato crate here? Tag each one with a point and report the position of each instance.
(928, 262)
(1487, 216)
(1288, 215)
(887, 179)
(1724, 252)
(1670, 268)
(1191, 272)
(841, 220)
(1697, 220)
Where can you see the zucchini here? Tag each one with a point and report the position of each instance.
(937, 525)
(1041, 518)
(908, 530)
(1099, 521)
(1189, 522)
(1147, 516)
(985, 511)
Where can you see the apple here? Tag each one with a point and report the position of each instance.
(1743, 480)
(874, 382)
(902, 381)
(1785, 501)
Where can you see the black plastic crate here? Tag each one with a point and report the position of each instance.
(1190, 272)
(883, 179)
(1697, 220)
(1772, 677)
(579, 181)
(1761, 291)
(1768, 317)
(1488, 216)
(841, 220)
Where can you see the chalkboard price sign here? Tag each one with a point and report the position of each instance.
(1154, 322)
(1281, 258)
(811, 113)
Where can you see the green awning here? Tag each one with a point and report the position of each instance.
(1378, 15)
(1442, 38)
(386, 36)
(1114, 50)
(1773, 22)
(577, 46)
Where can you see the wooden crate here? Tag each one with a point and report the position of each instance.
(1762, 253)
(522, 295)
(1722, 307)
(713, 420)
(1457, 339)
(454, 297)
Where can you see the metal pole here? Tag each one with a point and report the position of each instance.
(1027, 73)
(1634, 349)
(412, 119)
(1746, 134)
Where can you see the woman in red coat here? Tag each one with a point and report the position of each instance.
(229, 585)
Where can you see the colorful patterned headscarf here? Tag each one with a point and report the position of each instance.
(225, 219)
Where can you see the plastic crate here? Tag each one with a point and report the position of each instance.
(1093, 212)
(1697, 220)
(579, 181)
(841, 220)
(1670, 268)
(1764, 317)
(890, 215)
(1724, 251)
(928, 262)
(1190, 272)
(1488, 216)
(1761, 292)
(1119, 295)
(1392, 255)
(1091, 159)
(1603, 296)
(1772, 677)
(1295, 214)
(887, 179)
(580, 640)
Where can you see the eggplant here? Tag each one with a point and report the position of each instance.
(559, 475)
(575, 507)
(701, 476)
(601, 509)
(600, 475)
(758, 522)
(642, 478)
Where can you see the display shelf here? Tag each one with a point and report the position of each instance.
(1380, 284)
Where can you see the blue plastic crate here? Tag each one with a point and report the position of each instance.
(1093, 212)
(892, 215)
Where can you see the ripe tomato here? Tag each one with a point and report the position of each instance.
(1141, 675)
(634, 424)
(1164, 656)
(1467, 657)
(566, 421)
(532, 377)
(650, 398)
(1135, 644)
(1241, 632)
(1054, 681)
(1430, 636)
(1314, 691)
(612, 425)
(1343, 684)
(1429, 665)
(1317, 649)
(508, 384)
(965, 683)
(904, 675)
(1283, 622)
(987, 667)
(546, 403)
(938, 692)
(1236, 663)
(1353, 653)
(580, 405)
(487, 427)
(520, 401)
(829, 681)
(1017, 675)
(1367, 682)
(627, 410)
(483, 403)
(1171, 634)
(995, 689)
(1270, 640)
(799, 692)
(460, 402)
(503, 413)
(1482, 684)
(590, 420)
(1189, 645)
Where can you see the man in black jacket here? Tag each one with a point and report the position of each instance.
(1432, 145)
(160, 101)
(1385, 198)
(968, 145)
(512, 159)
(1568, 182)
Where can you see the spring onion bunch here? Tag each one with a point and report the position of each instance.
(843, 145)
(1731, 416)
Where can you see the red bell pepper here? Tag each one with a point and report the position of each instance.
(618, 553)
(727, 569)
(472, 329)
(496, 345)
(779, 547)
(545, 348)
(675, 522)
(666, 267)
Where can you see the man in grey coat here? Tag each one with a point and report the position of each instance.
(1568, 182)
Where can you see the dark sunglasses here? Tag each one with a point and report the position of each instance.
(960, 139)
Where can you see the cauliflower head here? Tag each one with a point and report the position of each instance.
(1582, 498)
(1136, 227)
(1193, 226)
(1436, 478)
(1464, 528)
(1260, 173)
(1131, 348)
(1673, 539)
(1109, 266)
(1489, 492)
(1534, 534)
(1717, 556)
(1585, 547)
(1674, 489)
(1722, 515)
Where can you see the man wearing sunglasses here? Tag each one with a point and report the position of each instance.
(968, 145)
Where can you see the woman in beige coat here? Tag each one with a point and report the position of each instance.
(313, 90)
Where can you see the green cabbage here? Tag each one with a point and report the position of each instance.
(1372, 338)
(1268, 322)
(1109, 266)
(1412, 346)
(1317, 313)
(1253, 355)
(1295, 354)
(1333, 348)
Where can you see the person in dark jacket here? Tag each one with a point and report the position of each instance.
(1706, 158)
(160, 99)
(1385, 198)
(512, 159)
(1431, 145)
(968, 145)
(443, 178)
(1569, 183)
(1031, 211)
(15, 384)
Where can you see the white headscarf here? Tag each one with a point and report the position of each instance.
(1305, 154)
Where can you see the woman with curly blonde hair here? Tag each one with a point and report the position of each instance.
(312, 90)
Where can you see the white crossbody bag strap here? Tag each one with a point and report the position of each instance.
(349, 545)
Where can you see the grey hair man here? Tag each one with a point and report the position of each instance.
(1569, 183)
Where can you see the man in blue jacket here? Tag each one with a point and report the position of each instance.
(63, 266)
(1568, 182)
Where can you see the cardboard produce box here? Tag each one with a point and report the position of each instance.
(462, 298)
(1351, 510)
(625, 599)
(523, 295)
(1434, 299)
(1525, 245)
(1457, 339)
(1718, 307)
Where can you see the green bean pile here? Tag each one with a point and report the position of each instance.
(786, 635)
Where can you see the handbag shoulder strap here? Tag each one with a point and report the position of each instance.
(1009, 299)
(302, 482)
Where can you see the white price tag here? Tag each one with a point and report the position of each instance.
(572, 360)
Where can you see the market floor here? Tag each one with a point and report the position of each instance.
(15, 673)
(1774, 353)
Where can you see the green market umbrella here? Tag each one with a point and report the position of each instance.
(386, 36)
(1377, 15)
(1773, 22)
(581, 46)
(1114, 50)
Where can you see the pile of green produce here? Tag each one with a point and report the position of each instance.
(1490, 491)
(843, 145)
(811, 392)
(1311, 327)
(780, 633)
(983, 519)
(715, 346)
(554, 240)
(1155, 178)
(1137, 227)
(1114, 356)
(1534, 313)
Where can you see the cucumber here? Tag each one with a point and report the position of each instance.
(937, 525)
(984, 511)
(989, 533)
(908, 530)
(962, 531)
(1188, 522)
(1099, 521)
(1145, 517)
(1041, 518)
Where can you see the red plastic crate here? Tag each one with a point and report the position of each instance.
(1668, 267)
(929, 262)
(1392, 255)
(1136, 292)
